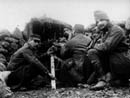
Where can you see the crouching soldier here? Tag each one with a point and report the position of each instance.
(109, 55)
(24, 65)
(74, 55)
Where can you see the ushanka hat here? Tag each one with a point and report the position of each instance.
(100, 15)
(78, 28)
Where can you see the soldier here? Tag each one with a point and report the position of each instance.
(73, 53)
(24, 65)
(104, 53)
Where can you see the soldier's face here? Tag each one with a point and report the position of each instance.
(34, 42)
(68, 32)
(102, 24)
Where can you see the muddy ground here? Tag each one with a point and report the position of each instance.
(74, 93)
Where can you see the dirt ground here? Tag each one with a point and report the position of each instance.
(74, 93)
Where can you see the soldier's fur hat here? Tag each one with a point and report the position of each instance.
(100, 15)
(78, 28)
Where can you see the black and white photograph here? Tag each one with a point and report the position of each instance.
(64, 49)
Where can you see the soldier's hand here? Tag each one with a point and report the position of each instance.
(51, 50)
(99, 46)
(58, 45)
(51, 76)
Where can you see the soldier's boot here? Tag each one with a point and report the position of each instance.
(101, 77)
(103, 82)
(99, 86)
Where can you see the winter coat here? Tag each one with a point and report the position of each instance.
(114, 44)
(24, 66)
(74, 53)
(76, 45)
(113, 40)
